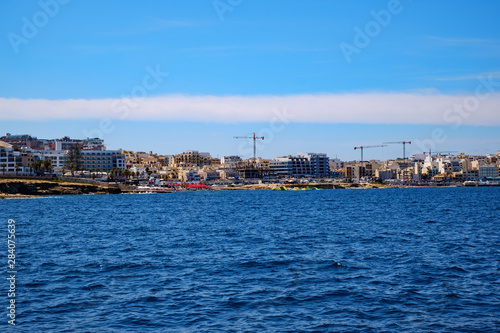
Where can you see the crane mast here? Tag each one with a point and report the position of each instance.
(404, 143)
(363, 147)
(254, 146)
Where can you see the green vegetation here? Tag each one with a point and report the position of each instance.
(74, 158)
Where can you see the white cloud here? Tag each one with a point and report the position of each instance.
(367, 108)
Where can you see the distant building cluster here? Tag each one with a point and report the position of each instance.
(27, 155)
(18, 153)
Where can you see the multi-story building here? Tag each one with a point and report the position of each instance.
(104, 160)
(466, 175)
(230, 161)
(385, 174)
(209, 174)
(66, 143)
(21, 140)
(448, 166)
(320, 165)
(189, 176)
(349, 172)
(228, 174)
(192, 158)
(17, 161)
(8, 158)
(310, 165)
(215, 161)
(281, 167)
(335, 164)
(488, 171)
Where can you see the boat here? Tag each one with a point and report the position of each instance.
(154, 189)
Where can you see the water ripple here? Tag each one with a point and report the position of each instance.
(343, 261)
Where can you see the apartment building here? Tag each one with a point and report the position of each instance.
(310, 165)
(104, 160)
(191, 158)
(21, 140)
(66, 143)
(9, 158)
(17, 161)
(488, 171)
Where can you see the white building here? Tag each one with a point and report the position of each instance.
(310, 165)
(17, 161)
(230, 161)
(9, 158)
(488, 171)
(104, 160)
(189, 176)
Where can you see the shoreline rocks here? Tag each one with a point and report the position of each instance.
(15, 188)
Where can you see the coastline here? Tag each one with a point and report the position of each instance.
(29, 188)
(11, 188)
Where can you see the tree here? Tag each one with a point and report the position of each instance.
(74, 158)
(3, 165)
(47, 165)
(127, 173)
(38, 167)
(17, 168)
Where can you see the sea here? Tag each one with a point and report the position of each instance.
(358, 260)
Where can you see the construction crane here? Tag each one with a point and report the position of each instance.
(254, 148)
(404, 147)
(363, 147)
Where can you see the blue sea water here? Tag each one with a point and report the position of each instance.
(416, 259)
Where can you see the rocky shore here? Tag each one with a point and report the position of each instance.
(321, 186)
(12, 188)
(24, 188)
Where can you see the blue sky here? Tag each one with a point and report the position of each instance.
(67, 76)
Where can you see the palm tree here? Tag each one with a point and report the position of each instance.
(3, 165)
(17, 168)
(38, 167)
(47, 165)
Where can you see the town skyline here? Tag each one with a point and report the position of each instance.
(32, 156)
(50, 143)
(247, 144)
